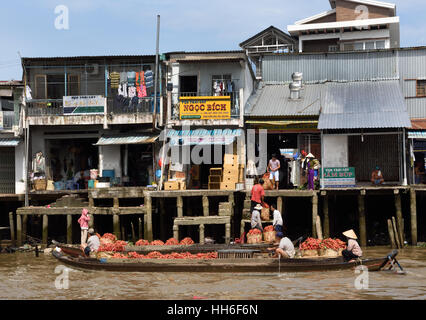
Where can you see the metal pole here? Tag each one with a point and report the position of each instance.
(322, 160)
(404, 153)
(156, 72)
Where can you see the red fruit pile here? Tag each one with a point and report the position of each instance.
(254, 231)
(334, 244)
(110, 236)
(310, 244)
(157, 243)
(172, 242)
(187, 241)
(174, 255)
(142, 242)
(268, 229)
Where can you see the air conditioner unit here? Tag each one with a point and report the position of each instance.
(92, 69)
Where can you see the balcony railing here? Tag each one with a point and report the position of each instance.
(121, 105)
(8, 119)
(45, 107)
(235, 102)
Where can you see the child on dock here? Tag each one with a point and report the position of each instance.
(84, 225)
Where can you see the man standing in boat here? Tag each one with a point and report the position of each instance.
(285, 247)
(353, 250)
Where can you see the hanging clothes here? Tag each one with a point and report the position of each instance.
(115, 80)
(131, 78)
(123, 77)
(132, 91)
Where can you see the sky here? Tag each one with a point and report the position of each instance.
(120, 27)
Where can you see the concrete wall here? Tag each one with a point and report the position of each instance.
(20, 168)
(335, 151)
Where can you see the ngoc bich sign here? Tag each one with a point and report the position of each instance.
(205, 108)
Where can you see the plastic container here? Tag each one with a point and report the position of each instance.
(108, 174)
(91, 184)
(59, 185)
(94, 174)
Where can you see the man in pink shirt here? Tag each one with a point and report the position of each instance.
(257, 195)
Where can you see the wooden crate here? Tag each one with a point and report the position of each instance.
(171, 185)
(215, 179)
(214, 185)
(216, 171)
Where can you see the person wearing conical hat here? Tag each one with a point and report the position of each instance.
(353, 250)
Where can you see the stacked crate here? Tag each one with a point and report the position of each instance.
(231, 172)
(215, 178)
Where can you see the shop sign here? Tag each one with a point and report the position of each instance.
(205, 108)
(339, 177)
(84, 105)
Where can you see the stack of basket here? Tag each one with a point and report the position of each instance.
(215, 178)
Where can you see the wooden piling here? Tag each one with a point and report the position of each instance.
(24, 227)
(232, 202)
(201, 233)
(326, 218)
(163, 218)
(179, 205)
(391, 235)
(133, 232)
(176, 232)
(227, 233)
(280, 204)
(45, 229)
(148, 218)
(69, 229)
(116, 225)
(413, 217)
(92, 221)
(123, 233)
(318, 228)
(140, 228)
(12, 229)
(206, 210)
(395, 231)
(314, 213)
(399, 216)
(19, 230)
(361, 218)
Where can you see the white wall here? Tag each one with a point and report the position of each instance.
(111, 159)
(335, 151)
(20, 168)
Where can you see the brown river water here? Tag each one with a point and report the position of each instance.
(23, 276)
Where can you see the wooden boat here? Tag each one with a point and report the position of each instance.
(255, 265)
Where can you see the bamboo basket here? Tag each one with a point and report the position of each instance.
(254, 238)
(331, 253)
(40, 184)
(310, 253)
(269, 236)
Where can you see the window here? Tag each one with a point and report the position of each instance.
(349, 47)
(55, 86)
(359, 46)
(370, 45)
(73, 85)
(333, 48)
(40, 87)
(222, 84)
(380, 44)
(367, 45)
(421, 88)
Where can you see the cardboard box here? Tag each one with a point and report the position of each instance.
(230, 159)
(230, 171)
(227, 186)
(180, 175)
(171, 185)
(230, 179)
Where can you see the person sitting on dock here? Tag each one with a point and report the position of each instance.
(377, 177)
(256, 221)
(84, 224)
(93, 243)
(278, 219)
(257, 194)
(353, 250)
(285, 247)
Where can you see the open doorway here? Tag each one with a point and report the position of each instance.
(188, 84)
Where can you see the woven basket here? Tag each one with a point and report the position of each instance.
(269, 236)
(329, 253)
(254, 238)
(309, 253)
(40, 184)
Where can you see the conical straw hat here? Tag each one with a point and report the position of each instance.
(350, 234)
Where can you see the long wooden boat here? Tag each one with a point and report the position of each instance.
(255, 265)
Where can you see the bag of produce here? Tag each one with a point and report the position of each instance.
(254, 236)
(265, 213)
(269, 234)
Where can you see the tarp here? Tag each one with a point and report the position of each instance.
(9, 142)
(203, 136)
(107, 140)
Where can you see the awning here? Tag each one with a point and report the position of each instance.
(107, 140)
(203, 137)
(416, 134)
(9, 142)
(283, 123)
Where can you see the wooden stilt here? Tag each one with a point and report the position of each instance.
(314, 214)
(163, 218)
(19, 230)
(242, 227)
(399, 216)
(148, 218)
(140, 228)
(92, 221)
(318, 228)
(391, 235)
(116, 225)
(176, 232)
(395, 231)
(280, 204)
(201, 233)
(45, 229)
(123, 233)
(116, 203)
(69, 229)
(206, 210)
(179, 205)
(133, 232)
(12, 229)
(91, 202)
(228, 233)
(361, 218)
(326, 218)
(24, 227)
(413, 217)
(232, 202)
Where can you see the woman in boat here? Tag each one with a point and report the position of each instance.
(353, 250)
(84, 224)
(285, 247)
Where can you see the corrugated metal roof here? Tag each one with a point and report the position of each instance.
(417, 135)
(274, 100)
(203, 136)
(9, 142)
(107, 140)
(358, 105)
(419, 124)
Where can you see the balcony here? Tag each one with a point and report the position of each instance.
(45, 107)
(235, 102)
(8, 120)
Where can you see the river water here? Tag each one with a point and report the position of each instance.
(23, 276)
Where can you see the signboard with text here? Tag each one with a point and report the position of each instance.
(84, 105)
(339, 177)
(205, 108)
